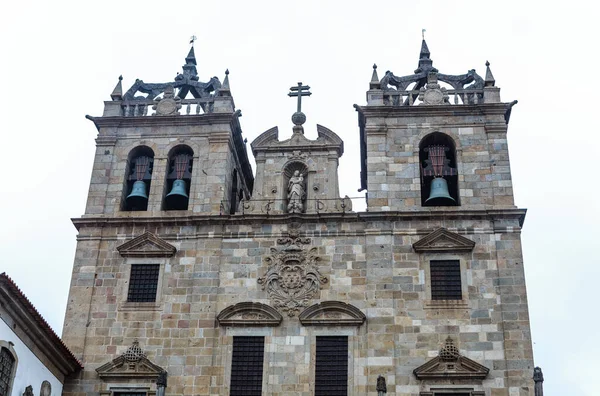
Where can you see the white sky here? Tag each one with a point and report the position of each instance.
(60, 60)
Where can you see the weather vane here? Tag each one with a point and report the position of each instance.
(192, 39)
(423, 33)
(298, 118)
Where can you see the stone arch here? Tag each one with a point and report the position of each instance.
(249, 313)
(332, 313)
(175, 169)
(438, 164)
(132, 176)
(9, 347)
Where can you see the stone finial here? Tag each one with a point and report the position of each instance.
(374, 84)
(449, 352)
(226, 80)
(489, 77)
(134, 353)
(117, 93)
(538, 378)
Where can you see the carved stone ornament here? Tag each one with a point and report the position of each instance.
(147, 245)
(292, 278)
(450, 364)
(249, 314)
(332, 313)
(28, 391)
(442, 240)
(169, 104)
(381, 385)
(433, 94)
(133, 363)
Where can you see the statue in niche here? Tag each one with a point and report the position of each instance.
(296, 193)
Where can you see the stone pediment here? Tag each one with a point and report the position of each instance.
(131, 364)
(147, 245)
(249, 314)
(332, 313)
(450, 364)
(442, 240)
(326, 140)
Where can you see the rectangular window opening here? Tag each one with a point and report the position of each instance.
(247, 366)
(7, 362)
(143, 283)
(331, 368)
(445, 280)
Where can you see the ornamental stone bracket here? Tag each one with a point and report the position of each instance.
(133, 363)
(442, 240)
(332, 313)
(292, 278)
(451, 365)
(249, 314)
(147, 245)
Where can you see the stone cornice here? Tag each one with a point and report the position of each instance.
(177, 120)
(113, 221)
(428, 111)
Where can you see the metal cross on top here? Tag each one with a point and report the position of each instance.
(192, 40)
(300, 91)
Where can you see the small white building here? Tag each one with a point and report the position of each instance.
(31, 353)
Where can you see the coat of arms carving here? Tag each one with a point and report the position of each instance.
(292, 278)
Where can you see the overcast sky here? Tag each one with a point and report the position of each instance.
(60, 61)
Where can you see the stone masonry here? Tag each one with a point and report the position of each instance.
(371, 268)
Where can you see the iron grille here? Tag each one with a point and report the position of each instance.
(7, 362)
(331, 368)
(247, 366)
(143, 283)
(445, 280)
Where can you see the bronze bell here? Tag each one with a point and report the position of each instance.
(177, 198)
(439, 195)
(138, 197)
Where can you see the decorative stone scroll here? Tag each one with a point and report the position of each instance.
(249, 314)
(450, 365)
(133, 363)
(442, 240)
(292, 278)
(147, 245)
(332, 313)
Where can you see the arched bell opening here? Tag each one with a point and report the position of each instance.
(140, 162)
(295, 179)
(178, 178)
(439, 174)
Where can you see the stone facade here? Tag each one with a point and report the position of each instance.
(363, 275)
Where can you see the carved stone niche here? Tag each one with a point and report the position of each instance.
(249, 314)
(451, 365)
(131, 364)
(442, 240)
(147, 245)
(332, 313)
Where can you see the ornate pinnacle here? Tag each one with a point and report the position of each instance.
(226, 80)
(374, 84)
(117, 93)
(489, 77)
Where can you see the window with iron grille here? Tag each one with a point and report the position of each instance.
(331, 367)
(247, 366)
(143, 283)
(445, 280)
(7, 363)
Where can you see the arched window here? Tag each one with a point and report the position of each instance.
(7, 370)
(138, 179)
(179, 178)
(439, 177)
(295, 179)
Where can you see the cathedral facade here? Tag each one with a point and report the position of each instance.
(194, 276)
